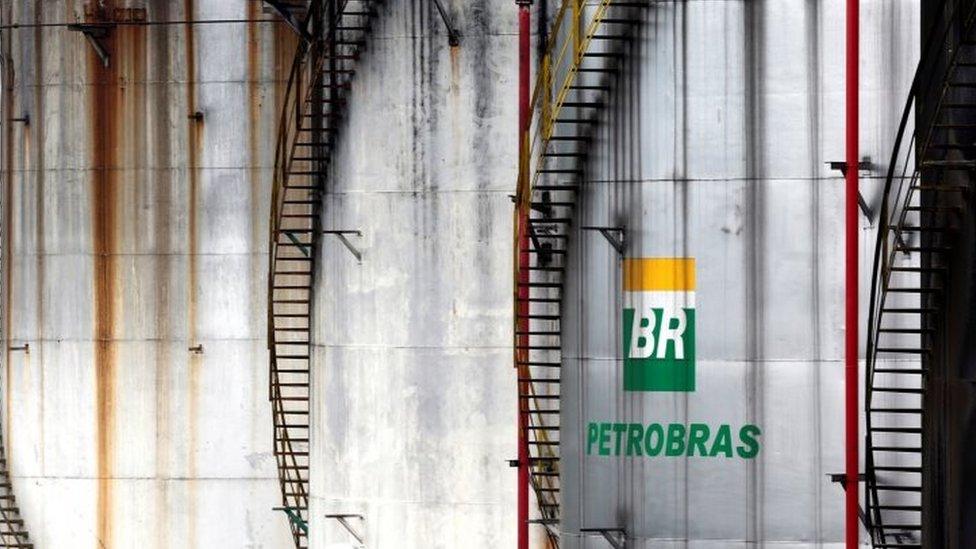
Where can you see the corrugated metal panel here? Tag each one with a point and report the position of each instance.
(715, 149)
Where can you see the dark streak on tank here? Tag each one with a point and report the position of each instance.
(194, 147)
(163, 203)
(754, 48)
(38, 164)
(476, 46)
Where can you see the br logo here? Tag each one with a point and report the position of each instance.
(659, 324)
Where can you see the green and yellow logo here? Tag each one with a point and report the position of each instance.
(659, 324)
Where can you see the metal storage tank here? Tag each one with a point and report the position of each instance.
(413, 399)
(713, 159)
(135, 200)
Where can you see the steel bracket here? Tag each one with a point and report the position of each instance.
(341, 233)
(616, 236)
(863, 165)
(616, 537)
(25, 347)
(94, 33)
(453, 38)
(343, 519)
(841, 478)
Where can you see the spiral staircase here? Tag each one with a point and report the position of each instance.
(589, 43)
(929, 180)
(334, 33)
(13, 532)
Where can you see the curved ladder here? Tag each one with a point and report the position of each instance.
(929, 178)
(308, 131)
(13, 531)
(588, 42)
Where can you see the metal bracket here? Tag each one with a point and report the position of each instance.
(93, 33)
(343, 519)
(863, 165)
(453, 38)
(616, 537)
(345, 241)
(282, 9)
(611, 234)
(841, 478)
(293, 517)
(25, 347)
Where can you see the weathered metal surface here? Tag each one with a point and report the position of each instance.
(413, 390)
(135, 269)
(714, 148)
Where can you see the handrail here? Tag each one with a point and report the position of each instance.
(894, 201)
(303, 72)
(543, 116)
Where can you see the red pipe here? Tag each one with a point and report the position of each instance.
(522, 323)
(850, 298)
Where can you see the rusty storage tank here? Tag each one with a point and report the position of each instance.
(413, 405)
(708, 409)
(135, 197)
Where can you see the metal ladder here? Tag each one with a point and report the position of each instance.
(13, 532)
(308, 132)
(576, 76)
(927, 182)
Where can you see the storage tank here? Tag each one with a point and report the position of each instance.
(413, 412)
(702, 381)
(135, 204)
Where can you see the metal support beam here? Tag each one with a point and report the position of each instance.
(343, 519)
(863, 165)
(453, 38)
(94, 33)
(616, 537)
(345, 241)
(841, 478)
(615, 236)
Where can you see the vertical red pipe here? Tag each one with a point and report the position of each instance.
(523, 273)
(851, 221)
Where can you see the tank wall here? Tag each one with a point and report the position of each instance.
(133, 233)
(414, 390)
(715, 149)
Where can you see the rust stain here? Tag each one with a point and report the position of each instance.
(113, 144)
(193, 158)
(106, 101)
(8, 156)
(455, 70)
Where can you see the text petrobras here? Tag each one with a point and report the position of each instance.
(672, 440)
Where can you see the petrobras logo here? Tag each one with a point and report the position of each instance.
(659, 324)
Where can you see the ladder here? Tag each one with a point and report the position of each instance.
(928, 182)
(588, 42)
(13, 531)
(318, 90)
